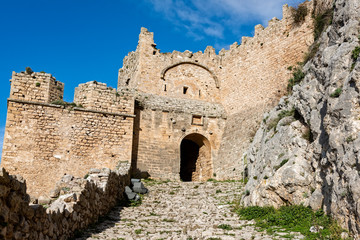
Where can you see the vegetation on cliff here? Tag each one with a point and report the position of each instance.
(296, 218)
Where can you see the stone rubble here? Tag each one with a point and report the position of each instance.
(75, 203)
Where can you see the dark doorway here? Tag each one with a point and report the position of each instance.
(195, 158)
(189, 155)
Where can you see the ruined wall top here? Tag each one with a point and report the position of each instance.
(229, 77)
(98, 96)
(36, 87)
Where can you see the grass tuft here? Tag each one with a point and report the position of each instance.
(225, 226)
(274, 122)
(336, 93)
(294, 218)
(298, 76)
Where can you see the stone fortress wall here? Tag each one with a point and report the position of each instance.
(167, 106)
(163, 123)
(43, 140)
(246, 80)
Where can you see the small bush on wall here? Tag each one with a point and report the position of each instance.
(299, 14)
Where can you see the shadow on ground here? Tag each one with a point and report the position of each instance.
(104, 222)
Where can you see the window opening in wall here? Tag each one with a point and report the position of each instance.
(185, 90)
(197, 120)
(165, 88)
(154, 52)
(127, 81)
(199, 94)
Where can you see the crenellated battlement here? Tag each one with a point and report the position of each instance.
(36, 87)
(253, 64)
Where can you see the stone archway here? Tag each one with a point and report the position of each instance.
(195, 158)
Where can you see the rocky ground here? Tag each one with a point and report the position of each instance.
(179, 210)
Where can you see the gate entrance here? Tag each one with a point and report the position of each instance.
(195, 154)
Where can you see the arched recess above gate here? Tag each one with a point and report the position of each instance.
(163, 72)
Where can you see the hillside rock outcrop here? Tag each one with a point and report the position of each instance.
(307, 148)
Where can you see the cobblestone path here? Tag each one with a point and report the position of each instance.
(179, 210)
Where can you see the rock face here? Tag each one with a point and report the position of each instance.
(307, 148)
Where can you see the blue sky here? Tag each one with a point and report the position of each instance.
(84, 40)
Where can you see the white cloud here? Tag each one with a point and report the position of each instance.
(213, 17)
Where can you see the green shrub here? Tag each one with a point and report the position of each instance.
(294, 218)
(254, 212)
(349, 139)
(283, 162)
(274, 122)
(246, 181)
(299, 14)
(255, 177)
(322, 20)
(37, 84)
(225, 226)
(314, 48)
(28, 70)
(355, 53)
(168, 220)
(336, 93)
(298, 76)
(134, 203)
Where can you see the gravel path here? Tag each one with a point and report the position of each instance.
(179, 210)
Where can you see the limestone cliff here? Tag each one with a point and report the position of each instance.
(307, 148)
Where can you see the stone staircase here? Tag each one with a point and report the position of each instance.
(180, 210)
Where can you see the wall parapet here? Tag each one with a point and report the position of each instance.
(74, 108)
(81, 203)
(98, 96)
(179, 105)
(39, 87)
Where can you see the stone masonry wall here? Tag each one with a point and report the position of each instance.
(257, 68)
(97, 96)
(43, 141)
(38, 87)
(81, 202)
(247, 79)
(162, 124)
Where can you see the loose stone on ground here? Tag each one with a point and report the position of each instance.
(180, 210)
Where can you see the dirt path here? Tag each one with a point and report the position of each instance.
(179, 210)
